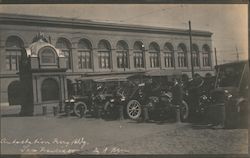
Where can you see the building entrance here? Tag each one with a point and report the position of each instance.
(50, 90)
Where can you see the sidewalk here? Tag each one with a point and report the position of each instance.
(14, 110)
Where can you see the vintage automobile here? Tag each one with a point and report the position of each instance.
(197, 95)
(134, 97)
(160, 104)
(92, 94)
(229, 105)
(126, 92)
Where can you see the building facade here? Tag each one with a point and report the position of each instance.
(97, 48)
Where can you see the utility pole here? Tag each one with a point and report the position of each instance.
(237, 53)
(215, 53)
(191, 48)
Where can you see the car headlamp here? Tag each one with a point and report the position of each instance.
(123, 99)
(112, 100)
(67, 100)
(229, 96)
(72, 100)
(204, 97)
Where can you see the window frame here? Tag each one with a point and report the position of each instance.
(82, 54)
(41, 51)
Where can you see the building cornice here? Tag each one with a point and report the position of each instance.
(18, 19)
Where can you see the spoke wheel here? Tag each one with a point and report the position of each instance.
(134, 109)
(184, 111)
(78, 107)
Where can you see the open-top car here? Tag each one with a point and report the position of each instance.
(128, 92)
(159, 100)
(135, 95)
(197, 95)
(230, 97)
(92, 94)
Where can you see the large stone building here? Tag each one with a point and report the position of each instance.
(97, 48)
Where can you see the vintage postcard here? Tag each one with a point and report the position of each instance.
(124, 79)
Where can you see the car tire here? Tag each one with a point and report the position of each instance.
(77, 108)
(184, 110)
(243, 115)
(134, 109)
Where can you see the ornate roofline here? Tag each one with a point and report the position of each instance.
(21, 19)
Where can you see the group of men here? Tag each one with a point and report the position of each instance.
(179, 89)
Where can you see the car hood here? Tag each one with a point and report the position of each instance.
(231, 90)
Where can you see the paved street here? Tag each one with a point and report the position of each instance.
(67, 135)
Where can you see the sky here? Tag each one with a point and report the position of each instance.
(227, 22)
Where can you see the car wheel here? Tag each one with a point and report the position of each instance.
(134, 109)
(78, 107)
(184, 111)
(243, 115)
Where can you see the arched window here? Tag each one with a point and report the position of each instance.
(168, 55)
(154, 57)
(138, 55)
(13, 53)
(122, 54)
(84, 54)
(182, 55)
(104, 55)
(50, 90)
(14, 93)
(65, 46)
(195, 55)
(206, 59)
(48, 56)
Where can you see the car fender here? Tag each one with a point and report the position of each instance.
(239, 102)
(107, 103)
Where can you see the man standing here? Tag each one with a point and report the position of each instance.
(177, 93)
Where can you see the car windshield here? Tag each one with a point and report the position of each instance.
(127, 88)
(230, 75)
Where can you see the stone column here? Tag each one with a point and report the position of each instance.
(39, 88)
(113, 60)
(74, 59)
(146, 60)
(162, 62)
(131, 59)
(200, 60)
(95, 65)
(176, 59)
(35, 90)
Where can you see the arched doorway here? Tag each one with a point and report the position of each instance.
(14, 93)
(50, 90)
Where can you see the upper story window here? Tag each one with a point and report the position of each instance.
(65, 47)
(84, 54)
(48, 56)
(104, 51)
(168, 55)
(154, 57)
(206, 56)
(122, 54)
(195, 55)
(13, 53)
(138, 55)
(182, 55)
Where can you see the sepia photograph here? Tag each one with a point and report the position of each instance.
(124, 79)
